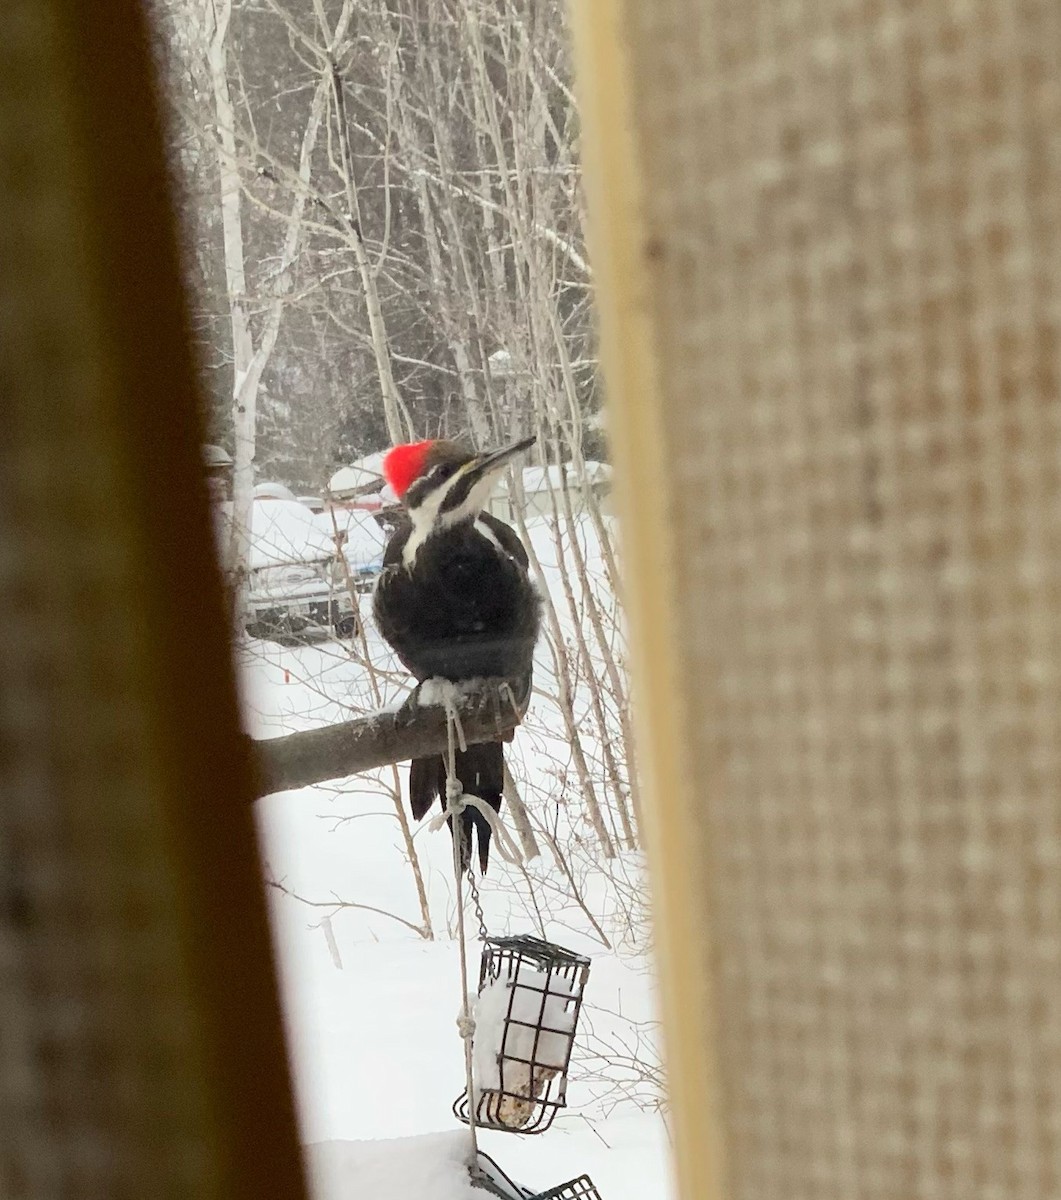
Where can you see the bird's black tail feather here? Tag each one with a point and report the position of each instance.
(481, 770)
(424, 775)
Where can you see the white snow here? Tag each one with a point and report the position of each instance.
(431, 1167)
(370, 1004)
(364, 472)
(538, 479)
(438, 693)
(540, 1000)
(490, 1010)
(283, 532)
(352, 479)
(273, 491)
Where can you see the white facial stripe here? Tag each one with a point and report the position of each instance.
(425, 517)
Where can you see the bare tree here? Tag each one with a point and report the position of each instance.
(412, 226)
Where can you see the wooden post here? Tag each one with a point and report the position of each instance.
(828, 253)
(143, 1050)
(616, 183)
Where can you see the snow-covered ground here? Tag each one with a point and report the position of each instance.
(371, 1004)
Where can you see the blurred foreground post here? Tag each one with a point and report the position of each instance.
(141, 1047)
(829, 263)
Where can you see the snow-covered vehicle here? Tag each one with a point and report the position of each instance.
(297, 584)
(363, 541)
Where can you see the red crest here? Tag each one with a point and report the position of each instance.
(405, 463)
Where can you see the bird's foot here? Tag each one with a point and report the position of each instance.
(411, 705)
(510, 696)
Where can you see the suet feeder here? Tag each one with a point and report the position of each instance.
(489, 1177)
(530, 995)
(576, 1189)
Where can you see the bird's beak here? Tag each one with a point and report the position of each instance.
(489, 464)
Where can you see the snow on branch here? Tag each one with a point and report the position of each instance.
(488, 710)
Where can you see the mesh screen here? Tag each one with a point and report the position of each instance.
(140, 1037)
(853, 217)
(100, 1087)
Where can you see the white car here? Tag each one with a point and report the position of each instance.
(363, 541)
(297, 583)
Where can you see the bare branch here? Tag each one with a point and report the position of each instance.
(300, 759)
(336, 905)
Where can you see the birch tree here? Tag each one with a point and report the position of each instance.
(251, 350)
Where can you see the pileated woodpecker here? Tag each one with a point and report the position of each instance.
(455, 602)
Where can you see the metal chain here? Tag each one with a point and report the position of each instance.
(453, 790)
(473, 888)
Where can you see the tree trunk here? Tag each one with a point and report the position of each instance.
(520, 817)
(245, 381)
(249, 362)
(397, 429)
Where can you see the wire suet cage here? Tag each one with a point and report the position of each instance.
(489, 1177)
(530, 996)
(575, 1189)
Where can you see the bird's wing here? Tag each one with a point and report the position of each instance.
(391, 608)
(389, 596)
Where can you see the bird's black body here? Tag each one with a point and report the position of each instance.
(463, 608)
